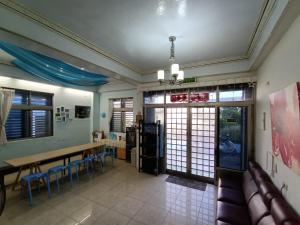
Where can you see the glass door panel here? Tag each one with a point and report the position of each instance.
(176, 138)
(203, 141)
(232, 137)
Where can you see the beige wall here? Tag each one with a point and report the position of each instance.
(281, 68)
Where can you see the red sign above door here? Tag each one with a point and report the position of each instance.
(199, 97)
(179, 98)
(194, 97)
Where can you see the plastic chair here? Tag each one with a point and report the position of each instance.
(56, 170)
(112, 136)
(110, 151)
(88, 161)
(35, 177)
(76, 164)
(100, 158)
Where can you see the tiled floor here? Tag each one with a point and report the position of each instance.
(119, 196)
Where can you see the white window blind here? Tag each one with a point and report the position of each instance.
(122, 114)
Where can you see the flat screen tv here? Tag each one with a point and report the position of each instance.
(82, 112)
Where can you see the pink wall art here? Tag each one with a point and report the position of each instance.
(285, 124)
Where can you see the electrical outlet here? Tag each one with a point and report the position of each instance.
(284, 188)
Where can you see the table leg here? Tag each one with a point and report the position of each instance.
(17, 179)
(64, 172)
(39, 169)
(31, 167)
(2, 194)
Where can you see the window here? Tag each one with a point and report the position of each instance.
(209, 94)
(122, 114)
(30, 115)
(154, 97)
(235, 92)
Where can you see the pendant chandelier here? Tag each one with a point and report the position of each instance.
(177, 76)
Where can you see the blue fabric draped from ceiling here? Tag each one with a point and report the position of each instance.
(51, 69)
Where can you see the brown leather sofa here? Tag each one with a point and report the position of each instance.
(252, 199)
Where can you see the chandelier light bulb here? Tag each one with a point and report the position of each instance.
(174, 69)
(180, 75)
(160, 74)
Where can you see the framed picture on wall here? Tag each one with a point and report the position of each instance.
(285, 123)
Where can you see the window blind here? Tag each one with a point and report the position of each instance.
(15, 123)
(30, 115)
(122, 114)
(41, 123)
(116, 123)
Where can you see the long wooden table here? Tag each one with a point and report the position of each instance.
(32, 162)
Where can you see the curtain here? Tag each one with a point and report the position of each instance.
(51, 69)
(6, 97)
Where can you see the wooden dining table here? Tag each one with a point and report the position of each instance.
(32, 162)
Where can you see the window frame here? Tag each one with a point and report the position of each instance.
(28, 108)
(247, 89)
(123, 109)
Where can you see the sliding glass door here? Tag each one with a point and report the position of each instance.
(195, 137)
(206, 128)
(203, 141)
(176, 139)
(232, 137)
(190, 140)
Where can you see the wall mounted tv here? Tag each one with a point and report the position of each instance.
(82, 112)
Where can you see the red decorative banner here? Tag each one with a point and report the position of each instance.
(200, 97)
(179, 98)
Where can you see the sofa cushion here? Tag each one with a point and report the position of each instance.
(231, 213)
(267, 220)
(230, 183)
(250, 189)
(252, 165)
(247, 176)
(231, 196)
(282, 213)
(268, 192)
(257, 209)
(259, 175)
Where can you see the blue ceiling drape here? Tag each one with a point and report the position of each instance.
(51, 69)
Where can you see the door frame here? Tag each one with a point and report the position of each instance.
(249, 132)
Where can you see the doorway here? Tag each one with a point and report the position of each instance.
(205, 128)
(198, 139)
(190, 141)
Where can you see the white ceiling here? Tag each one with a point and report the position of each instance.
(137, 31)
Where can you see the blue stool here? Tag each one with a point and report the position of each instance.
(55, 170)
(35, 177)
(109, 152)
(100, 158)
(76, 164)
(88, 161)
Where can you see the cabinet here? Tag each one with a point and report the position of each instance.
(149, 148)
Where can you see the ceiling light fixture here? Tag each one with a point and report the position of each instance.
(177, 75)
